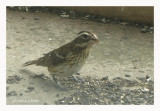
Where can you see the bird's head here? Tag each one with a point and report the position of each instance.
(85, 39)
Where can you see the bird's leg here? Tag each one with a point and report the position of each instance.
(75, 78)
(78, 79)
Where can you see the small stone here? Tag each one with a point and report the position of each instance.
(151, 28)
(134, 60)
(8, 47)
(103, 20)
(151, 32)
(57, 95)
(127, 75)
(124, 23)
(127, 100)
(147, 77)
(87, 16)
(104, 78)
(145, 90)
(143, 30)
(35, 18)
(145, 96)
(140, 100)
(134, 67)
(23, 18)
(49, 39)
(64, 13)
(21, 94)
(65, 16)
(31, 88)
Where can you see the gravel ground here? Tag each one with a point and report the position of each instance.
(95, 91)
(120, 72)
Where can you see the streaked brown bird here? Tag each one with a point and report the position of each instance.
(69, 58)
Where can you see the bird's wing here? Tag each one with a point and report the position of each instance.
(55, 57)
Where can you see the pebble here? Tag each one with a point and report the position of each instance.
(49, 39)
(103, 20)
(143, 30)
(124, 23)
(145, 90)
(134, 67)
(104, 78)
(21, 94)
(65, 16)
(135, 60)
(57, 95)
(8, 47)
(127, 75)
(87, 16)
(31, 88)
(23, 18)
(35, 18)
(148, 78)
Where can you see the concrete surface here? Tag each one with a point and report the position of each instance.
(122, 50)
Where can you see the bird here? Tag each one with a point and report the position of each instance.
(69, 58)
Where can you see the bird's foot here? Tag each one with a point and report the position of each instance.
(54, 78)
(77, 79)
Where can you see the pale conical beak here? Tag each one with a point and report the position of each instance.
(95, 38)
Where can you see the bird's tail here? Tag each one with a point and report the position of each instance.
(31, 63)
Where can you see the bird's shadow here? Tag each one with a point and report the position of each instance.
(43, 81)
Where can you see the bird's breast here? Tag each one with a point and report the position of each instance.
(72, 65)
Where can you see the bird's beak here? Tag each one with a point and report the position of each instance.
(95, 38)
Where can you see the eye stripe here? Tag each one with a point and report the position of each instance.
(83, 34)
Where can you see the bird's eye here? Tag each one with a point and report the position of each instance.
(85, 35)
